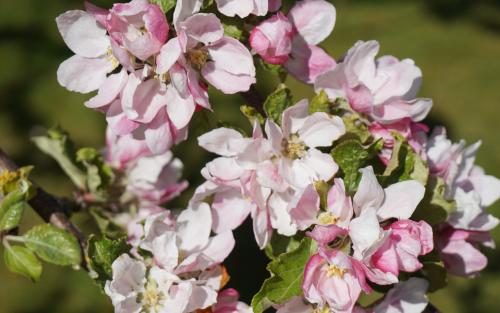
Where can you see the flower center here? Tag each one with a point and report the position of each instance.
(293, 148)
(151, 298)
(335, 271)
(327, 218)
(197, 57)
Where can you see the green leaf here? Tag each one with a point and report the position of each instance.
(436, 274)
(252, 115)
(281, 244)
(22, 261)
(355, 126)
(233, 31)
(53, 245)
(165, 5)
(405, 164)
(277, 102)
(420, 170)
(102, 253)
(107, 227)
(434, 208)
(14, 204)
(287, 274)
(12, 217)
(99, 174)
(351, 155)
(58, 145)
(320, 103)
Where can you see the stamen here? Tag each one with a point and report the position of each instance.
(327, 218)
(294, 147)
(197, 57)
(335, 271)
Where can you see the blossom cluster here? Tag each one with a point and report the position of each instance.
(325, 171)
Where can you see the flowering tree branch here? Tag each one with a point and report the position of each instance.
(51, 209)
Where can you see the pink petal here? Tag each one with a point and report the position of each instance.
(109, 90)
(83, 75)
(204, 27)
(307, 62)
(313, 19)
(83, 35)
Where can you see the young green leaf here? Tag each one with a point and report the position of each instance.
(102, 253)
(233, 31)
(12, 217)
(287, 274)
(58, 145)
(53, 245)
(251, 114)
(320, 103)
(165, 5)
(99, 174)
(22, 261)
(277, 102)
(351, 155)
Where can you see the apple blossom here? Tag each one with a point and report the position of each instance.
(331, 282)
(292, 40)
(334, 220)
(459, 250)
(138, 26)
(87, 70)
(384, 89)
(406, 297)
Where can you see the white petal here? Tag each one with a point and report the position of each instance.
(83, 35)
(193, 227)
(364, 230)
(401, 200)
(83, 75)
(370, 193)
(313, 19)
(320, 130)
(219, 141)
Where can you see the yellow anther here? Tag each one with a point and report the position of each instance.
(197, 57)
(294, 147)
(335, 271)
(327, 218)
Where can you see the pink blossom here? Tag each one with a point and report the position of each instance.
(313, 21)
(155, 179)
(406, 297)
(275, 173)
(123, 150)
(223, 61)
(227, 302)
(330, 281)
(272, 39)
(414, 133)
(407, 241)
(293, 40)
(459, 250)
(87, 70)
(139, 26)
(466, 184)
(384, 89)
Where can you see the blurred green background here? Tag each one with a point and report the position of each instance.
(455, 42)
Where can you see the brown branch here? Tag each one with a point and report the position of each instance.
(50, 208)
(254, 99)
